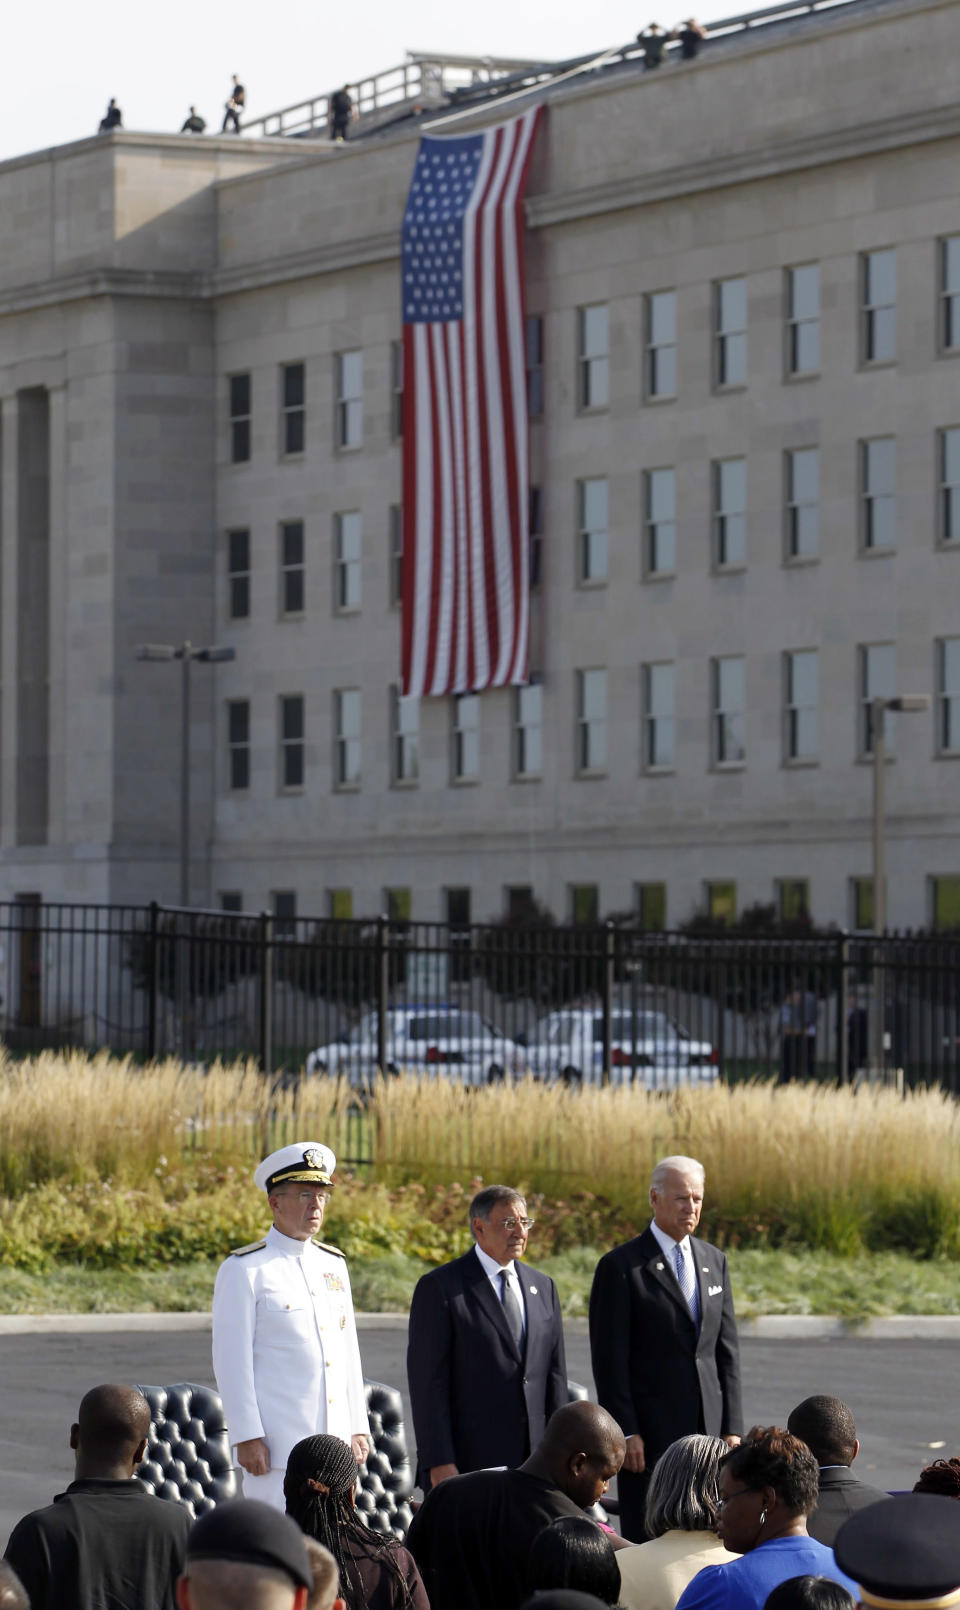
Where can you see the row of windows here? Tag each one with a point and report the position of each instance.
(791, 898)
(801, 323)
(801, 525)
(728, 738)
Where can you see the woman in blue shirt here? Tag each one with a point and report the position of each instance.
(768, 1486)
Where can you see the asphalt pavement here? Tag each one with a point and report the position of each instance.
(903, 1392)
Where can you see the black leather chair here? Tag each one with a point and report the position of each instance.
(188, 1447)
(189, 1458)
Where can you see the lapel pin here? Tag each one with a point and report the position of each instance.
(659, 1265)
(533, 1291)
(706, 1270)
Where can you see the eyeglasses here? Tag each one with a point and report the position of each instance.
(517, 1224)
(313, 1196)
(723, 1502)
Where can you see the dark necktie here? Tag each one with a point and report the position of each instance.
(511, 1309)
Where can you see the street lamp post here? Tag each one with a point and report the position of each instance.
(878, 711)
(186, 654)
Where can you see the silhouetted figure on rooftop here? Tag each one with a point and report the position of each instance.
(113, 118)
(234, 106)
(194, 124)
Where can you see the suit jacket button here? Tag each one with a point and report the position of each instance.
(525, 1381)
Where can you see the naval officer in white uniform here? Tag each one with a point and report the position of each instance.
(285, 1349)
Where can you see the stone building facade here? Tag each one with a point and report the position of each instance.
(744, 341)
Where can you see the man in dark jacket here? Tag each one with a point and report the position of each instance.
(485, 1356)
(106, 1540)
(827, 1427)
(663, 1337)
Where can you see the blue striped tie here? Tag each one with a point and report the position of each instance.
(688, 1284)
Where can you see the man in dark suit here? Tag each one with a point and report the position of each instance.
(826, 1426)
(663, 1338)
(485, 1358)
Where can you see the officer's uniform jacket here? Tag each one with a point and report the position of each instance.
(285, 1349)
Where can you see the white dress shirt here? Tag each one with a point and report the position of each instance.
(493, 1270)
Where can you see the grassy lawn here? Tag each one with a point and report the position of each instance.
(800, 1282)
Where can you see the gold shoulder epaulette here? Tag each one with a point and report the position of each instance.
(241, 1252)
(326, 1247)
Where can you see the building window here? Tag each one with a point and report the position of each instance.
(660, 537)
(721, 901)
(950, 485)
(803, 319)
(877, 461)
(650, 900)
(238, 575)
(591, 721)
(793, 899)
(534, 366)
(348, 560)
(657, 716)
(346, 718)
(729, 745)
(593, 388)
(404, 738)
(350, 399)
(340, 904)
(399, 904)
(592, 531)
(950, 293)
(535, 537)
(291, 740)
(520, 904)
(945, 902)
(661, 353)
(803, 503)
(876, 677)
(240, 417)
(730, 512)
(861, 905)
(231, 901)
(528, 730)
(801, 741)
(396, 556)
(465, 738)
(284, 905)
(584, 902)
(457, 903)
(948, 696)
(238, 743)
(292, 592)
(293, 408)
(396, 390)
(879, 282)
(730, 323)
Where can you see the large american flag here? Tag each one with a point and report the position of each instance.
(465, 472)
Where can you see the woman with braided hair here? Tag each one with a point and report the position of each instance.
(376, 1572)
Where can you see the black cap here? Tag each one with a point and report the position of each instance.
(905, 1550)
(251, 1533)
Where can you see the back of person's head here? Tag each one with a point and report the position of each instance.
(321, 1474)
(809, 1593)
(243, 1555)
(683, 1494)
(13, 1594)
(574, 1553)
(326, 1578)
(942, 1477)
(564, 1599)
(826, 1425)
(771, 1457)
(111, 1424)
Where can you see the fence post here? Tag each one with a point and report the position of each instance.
(843, 1038)
(608, 968)
(266, 993)
(153, 981)
(722, 1019)
(383, 992)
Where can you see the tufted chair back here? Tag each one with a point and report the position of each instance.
(386, 1480)
(189, 1458)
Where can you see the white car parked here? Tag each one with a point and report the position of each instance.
(647, 1048)
(431, 1040)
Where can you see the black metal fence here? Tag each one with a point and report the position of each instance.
(479, 1003)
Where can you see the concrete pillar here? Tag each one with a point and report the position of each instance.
(8, 621)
